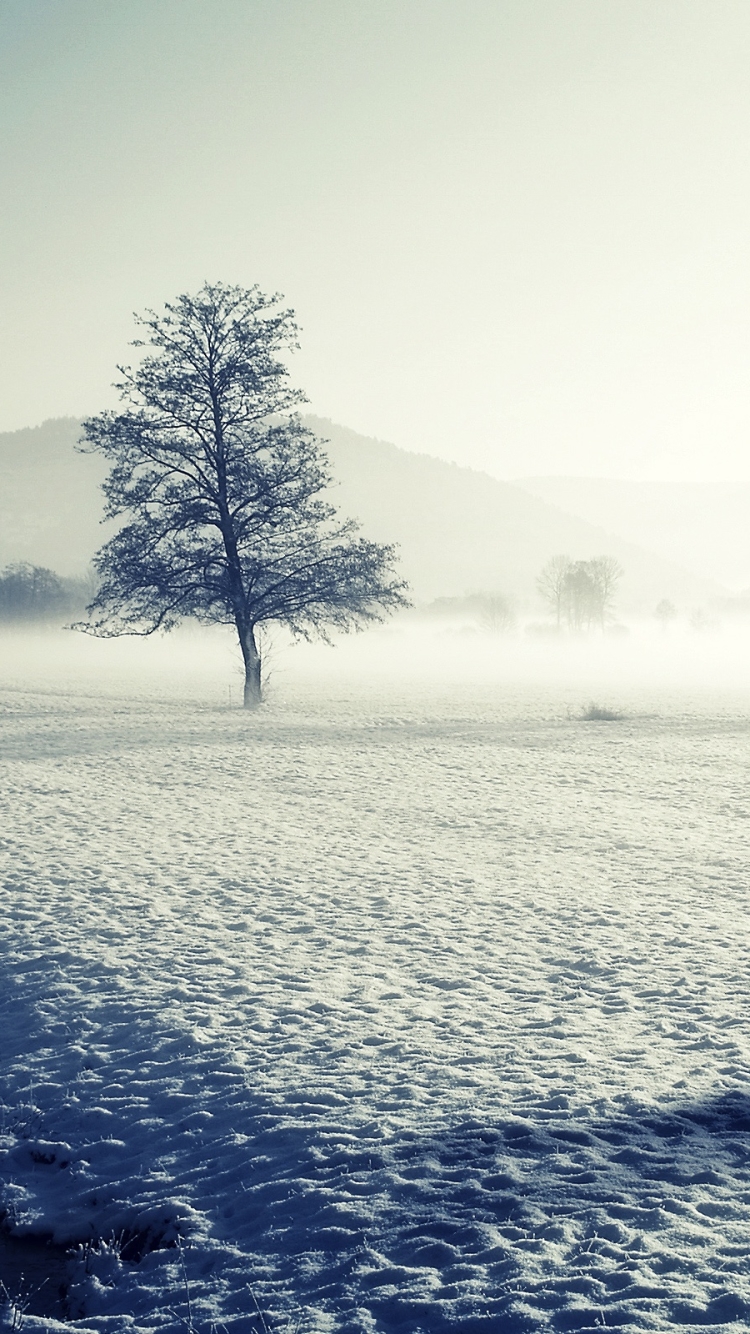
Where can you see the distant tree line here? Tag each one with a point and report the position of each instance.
(580, 593)
(493, 613)
(32, 594)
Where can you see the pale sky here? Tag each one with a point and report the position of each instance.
(516, 232)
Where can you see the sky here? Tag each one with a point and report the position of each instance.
(516, 233)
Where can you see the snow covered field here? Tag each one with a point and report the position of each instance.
(412, 1003)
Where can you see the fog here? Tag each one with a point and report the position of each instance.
(454, 669)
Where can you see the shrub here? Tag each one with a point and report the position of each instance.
(598, 713)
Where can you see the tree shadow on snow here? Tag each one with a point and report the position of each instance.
(552, 1220)
(549, 1218)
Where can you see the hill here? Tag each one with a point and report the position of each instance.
(459, 531)
(50, 502)
(462, 531)
(701, 526)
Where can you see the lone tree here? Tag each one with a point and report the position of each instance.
(665, 612)
(221, 489)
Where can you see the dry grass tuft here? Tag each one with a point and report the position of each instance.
(598, 713)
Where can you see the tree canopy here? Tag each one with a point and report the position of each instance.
(222, 491)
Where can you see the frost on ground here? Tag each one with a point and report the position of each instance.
(407, 1007)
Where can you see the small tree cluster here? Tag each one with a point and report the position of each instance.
(492, 613)
(30, 593)
(33, 594)
(580, 593)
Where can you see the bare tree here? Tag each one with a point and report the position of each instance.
(496, 613)
(222, 489)
(552, 585)
(665, 612)
(606, 573)
(581, 596)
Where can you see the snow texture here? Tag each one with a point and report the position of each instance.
(416, 1006)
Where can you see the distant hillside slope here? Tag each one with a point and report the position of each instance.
(704, 527)
(50, 502)
(462, 531)
(459, 531)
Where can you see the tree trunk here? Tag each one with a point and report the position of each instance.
(251, 658)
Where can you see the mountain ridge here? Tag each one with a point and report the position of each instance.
(702, 526)
(492, 539)
(459, 531)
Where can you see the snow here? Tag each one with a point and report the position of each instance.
(411, 1003)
